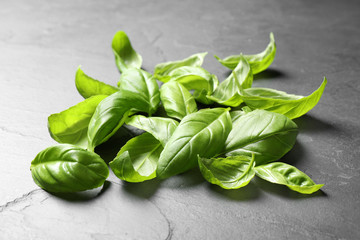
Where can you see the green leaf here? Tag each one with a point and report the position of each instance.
(266, 134)
(230, 173)
(284, 174)
(88, 86)
(227, 93)
(162, 70)
(67, 168)
(71, 125)
(125, 55)
(177, 100)
(161, 128)
(258, 62)
(235, 115)
(201, 133)
(143, 84)
(198, 79)
(292, 106)
(137, 159)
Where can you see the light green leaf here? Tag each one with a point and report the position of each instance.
(201, 133)
(266, 134)
(67, 168)
(235, 115)
(137, 159)
(258, 62)
(177, 100)
(162, 70)
(71, 125)
(88, 86)
(284, 174)
(125, 55)
(161, 128)
(292, 106)
(230, 173)
(227, 93)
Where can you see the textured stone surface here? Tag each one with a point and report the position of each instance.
(41, 45)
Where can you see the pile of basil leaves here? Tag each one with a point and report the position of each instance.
(229, 146)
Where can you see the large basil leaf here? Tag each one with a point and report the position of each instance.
(227, 93)
(202, 133)
(162, 70)
(292, 106)
(67, 168)
(137, 159)
(125, 55)
(143, 84)
(177, 100)
(230, 173)
(198, 79)
(71, 125)
(268, 135)
(284, 174)
(161, 128)
(88, 86)
(258, 62)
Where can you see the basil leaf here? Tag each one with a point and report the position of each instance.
(202, 133)
(125, 55)
(258, 62)
(227, 93)
(67, 168)
(143, 84)
(198, 79)
(162, 70)
(137, 159)
(230, 173)
(161, 128)
(88, 86)
(292, 106)
(266, 134)
(71, 125)
(284, 174)
(235, 115)
(177, 100)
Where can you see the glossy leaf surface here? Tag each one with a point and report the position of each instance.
(177, 100)
(161, 128)
(125, 56)
(230, 173)
(88, 86)
(285, 174)
(202, 133)
(137, 159)
(67, 168)
(71, 125)
(258, 62)
(292, 106)
(266, 134)
(227, 93)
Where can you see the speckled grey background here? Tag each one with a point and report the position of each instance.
(41, 45)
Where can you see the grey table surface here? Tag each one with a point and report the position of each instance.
(43, 42)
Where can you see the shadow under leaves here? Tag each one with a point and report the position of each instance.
(249, 192)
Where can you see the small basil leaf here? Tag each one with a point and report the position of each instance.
(161, 128)
(177, 100)
(284, 174)
(143, 84)
(266, 134)
(230, 173)
(202, 133)
(258, 62)
(292, 106)
(227, 93)
(67, 168)
(88, 86)
(71, 125)
(137, 159)
(125, 55)
(162, 70)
